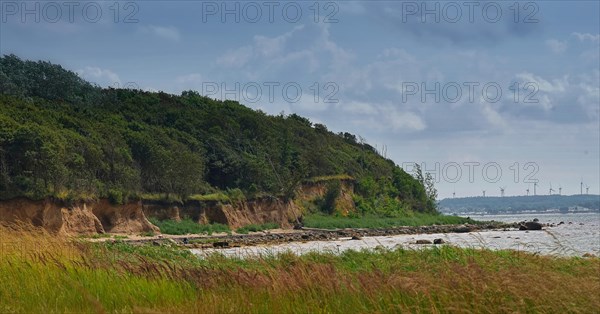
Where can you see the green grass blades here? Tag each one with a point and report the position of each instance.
(187, 226)
(373, 221)
(73, 275)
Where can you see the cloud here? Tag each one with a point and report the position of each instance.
(492, 116)
(587, 36)
(262, 47)
(194, 77)
(359, 107)
(192, 81)
(382, 117)
(166, 32)
(556, 46)
(556, 86)
(447, 22)
(236, 58)
(400, 120)
(268, 47)
(102, 77)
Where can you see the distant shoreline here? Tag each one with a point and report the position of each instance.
(523, 213)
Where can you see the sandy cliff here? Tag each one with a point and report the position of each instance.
(235, 215)
(78, 218)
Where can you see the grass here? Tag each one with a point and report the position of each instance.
(371, 221)
(104, 236)
(216, 197)
(41, 273)
(338, 177)
(255, 228)
(169, 198)
(188, 226)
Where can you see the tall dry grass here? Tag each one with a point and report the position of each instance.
(44, 273)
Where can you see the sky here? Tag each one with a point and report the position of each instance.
(484, 95)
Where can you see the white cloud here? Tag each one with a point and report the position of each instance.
(236, 58)
(545, 92)
(382, 117)
(276, 53)
(102, 77)
(556, 46)
(399, 120)
(589, 95)
(165, 32)
(587, 36)
(492, 116)
(555, 86)
(271, 48)
(358, 107)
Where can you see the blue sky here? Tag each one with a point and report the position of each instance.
(369, 62)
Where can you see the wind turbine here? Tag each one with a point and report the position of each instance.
(551, 189)
(502, 191)
(560, 190)
(527, 191)
(453, 193)
(581, 186)
(483, 193)
(534, 186)
(587, 189)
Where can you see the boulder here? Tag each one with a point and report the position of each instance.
(462, 229)
(533, 225)
(439, 241)
(423, 242)
(221, 244)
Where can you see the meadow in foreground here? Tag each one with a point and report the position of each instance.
(41, 273)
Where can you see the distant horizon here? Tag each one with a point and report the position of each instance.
(508, 196)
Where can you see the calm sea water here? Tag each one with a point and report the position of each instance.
(580, 234)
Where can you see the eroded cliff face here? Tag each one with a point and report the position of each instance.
(102, 216)
(344, 204)
(257, 211)
(261, 211)
(80, 218)
(128, 218)
(235, 215)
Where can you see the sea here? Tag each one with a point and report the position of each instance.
(573, 234)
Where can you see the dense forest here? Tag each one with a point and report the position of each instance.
(61, 136)
(519, 203)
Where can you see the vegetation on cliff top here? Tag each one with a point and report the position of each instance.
(64, 137)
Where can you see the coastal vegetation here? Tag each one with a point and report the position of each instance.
(42, 273)
(187, 226)
(374, 221)
(64, 138)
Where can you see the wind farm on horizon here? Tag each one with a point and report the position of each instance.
(531, 190)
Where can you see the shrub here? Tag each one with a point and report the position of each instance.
(116, 197)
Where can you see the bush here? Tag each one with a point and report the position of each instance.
(333, 192)
(236, 195)
(116, 197)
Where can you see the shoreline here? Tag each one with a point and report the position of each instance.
(280, 236)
